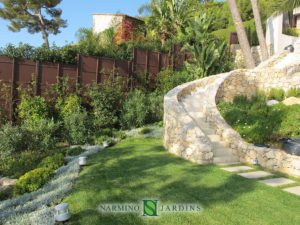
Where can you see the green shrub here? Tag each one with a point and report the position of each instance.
(290, 124)
(155, 103)
(77, 127)
(75, 120)
(293, 92)
(291, 31)
(41, 134)
(17, 164)
(33, 108)
(53, 162)
(258, 123)
(32, 180)
(12, 140)
(109, 140)
(99, 140)
(3, 116)
(168, 79)
(119, 134)
(69, 106)
(74, 151)
(106, 101)
(135, 110)
(145, 130)
(6, 193)
(277, 94)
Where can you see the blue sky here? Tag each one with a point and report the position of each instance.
(78, 13)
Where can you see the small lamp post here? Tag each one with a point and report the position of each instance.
(105, 144)
(82, 161)
(62, 213)
(255, 162)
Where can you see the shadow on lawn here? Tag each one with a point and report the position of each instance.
(124, 174)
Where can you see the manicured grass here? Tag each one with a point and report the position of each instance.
(141, 168)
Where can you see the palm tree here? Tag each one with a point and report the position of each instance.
(166, 17)
(259, 30)
(286, 5)
(242, 36)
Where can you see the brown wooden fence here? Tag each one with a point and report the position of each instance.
(19, 72)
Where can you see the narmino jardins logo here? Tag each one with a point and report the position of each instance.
(149, 208)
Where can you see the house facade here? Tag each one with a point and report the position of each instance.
(126, 27)
(276, 37)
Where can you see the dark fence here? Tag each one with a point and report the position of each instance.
(16, 73)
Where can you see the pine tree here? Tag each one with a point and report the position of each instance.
(35, 15)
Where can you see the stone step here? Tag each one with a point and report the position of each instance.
(222, 152)
(220, 144)
(237, 169)
(214, 138)
(229, 164)
(225, 159)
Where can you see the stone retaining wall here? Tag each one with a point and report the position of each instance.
(244, 82)
(247, 83)
(182, 136)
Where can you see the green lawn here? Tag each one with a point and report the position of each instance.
(139, 168)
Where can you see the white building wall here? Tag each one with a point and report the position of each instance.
(102, 22)
(274, 36)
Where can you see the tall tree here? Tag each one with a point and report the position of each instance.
(259, 30)
(242, 36)
(35, 15)
(286, 5)
(166, 17)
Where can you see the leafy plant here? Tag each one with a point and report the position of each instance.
(16, 165)
(32, 108)
(169, 79)
(41, 134)
(53, 162)
(106, 101)
(12, 140)
(277, 94)
(210, 56)
(156, 109)
(166, 18)
(74, 151)
(259, 123)
(135, 110)
(75, 120)
(32, 180)
(145, 130)
(293, 92)
(77, 127)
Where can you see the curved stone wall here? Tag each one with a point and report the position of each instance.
(184, 138)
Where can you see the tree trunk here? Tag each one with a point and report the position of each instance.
(45, 38)
(242, 36)
(44, 32)
(260, 31)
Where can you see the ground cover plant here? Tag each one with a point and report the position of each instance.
(261, 124)
(138, 168)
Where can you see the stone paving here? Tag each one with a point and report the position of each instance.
(273, 182)
(293, 190)
(237, 169)
(256, 174)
